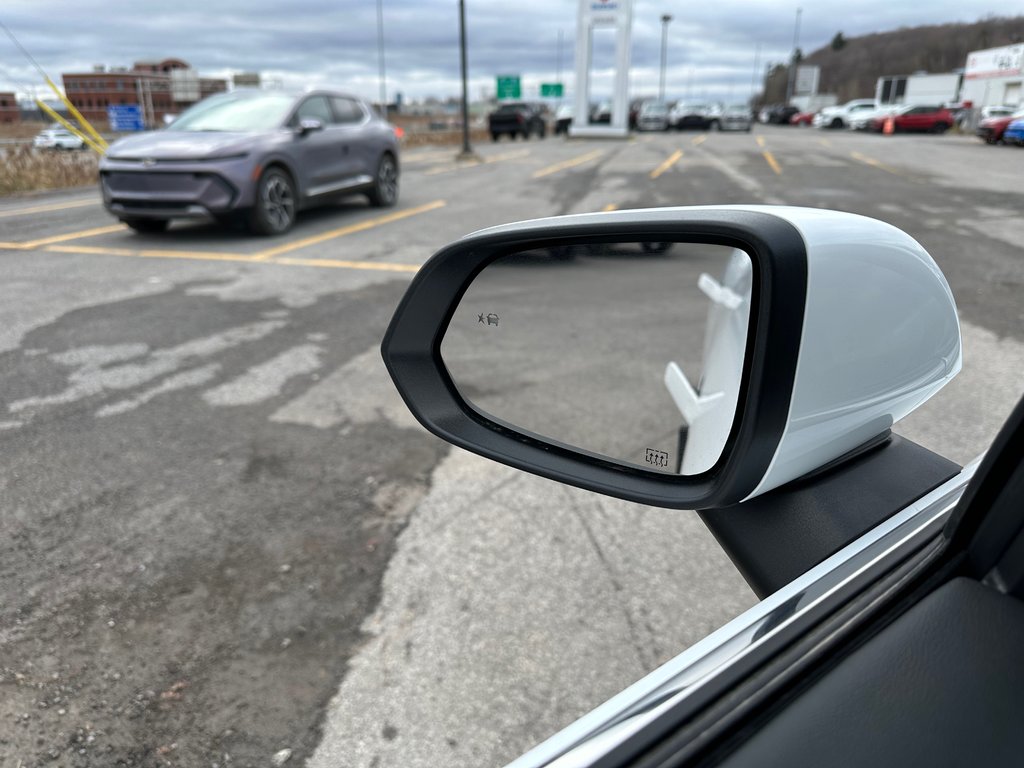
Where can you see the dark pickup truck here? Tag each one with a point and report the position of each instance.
(516, 119)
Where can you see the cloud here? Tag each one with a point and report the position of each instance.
(711, 46)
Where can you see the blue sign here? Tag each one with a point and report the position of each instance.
(126, 117)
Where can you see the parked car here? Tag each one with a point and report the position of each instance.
(601, 113)
(254, 156)
(930, 119)
(563, 118)
(802, 118)
(57, 137)
(688, 115)
(652, 116)
(516, 119)
(735, 117)
(777, 114)
(860, 120)
(998, 110)
(1014, 133)
(840, 116)
(992, 129)
(892, 579)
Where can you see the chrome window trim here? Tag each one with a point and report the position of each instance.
(843, 574)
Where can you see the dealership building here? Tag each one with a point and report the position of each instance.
(158, 89)
(993, 76)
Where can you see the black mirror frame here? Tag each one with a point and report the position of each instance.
(412, 351)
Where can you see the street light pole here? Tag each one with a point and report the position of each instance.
(466, 149)
(665, 19)
(380, 58)
(792, 61)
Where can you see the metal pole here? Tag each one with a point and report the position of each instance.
(380, 58)
(753, 77)
(665, 19)
(792, 60)
(466, 150)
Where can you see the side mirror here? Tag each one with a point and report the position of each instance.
(308, 125)
(685, 358)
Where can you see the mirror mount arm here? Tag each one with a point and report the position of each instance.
(775, 537)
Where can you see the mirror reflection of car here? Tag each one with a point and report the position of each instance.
(253, 157)
(601, 113)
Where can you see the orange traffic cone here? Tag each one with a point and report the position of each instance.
(890, 125)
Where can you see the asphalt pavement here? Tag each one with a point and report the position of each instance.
(224, 539)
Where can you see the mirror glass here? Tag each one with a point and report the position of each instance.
(629, 351)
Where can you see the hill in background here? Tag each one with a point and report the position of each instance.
(850, 66)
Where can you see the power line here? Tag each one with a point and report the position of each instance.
(22, 48)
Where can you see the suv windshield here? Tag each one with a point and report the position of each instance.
(236, 112)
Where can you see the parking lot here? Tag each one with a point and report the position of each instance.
(223, 536)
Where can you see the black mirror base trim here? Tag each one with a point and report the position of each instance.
(774, 538)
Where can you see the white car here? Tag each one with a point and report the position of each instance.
(861, 119)
(735, 117)
(57, 138)
(840, 117)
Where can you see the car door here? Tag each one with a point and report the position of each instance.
(320, 155)
(917, 119)
(353, 130)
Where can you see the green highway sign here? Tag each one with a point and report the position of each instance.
(551, 90)
(508, 87)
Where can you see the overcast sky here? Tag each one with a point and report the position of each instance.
(711, 48)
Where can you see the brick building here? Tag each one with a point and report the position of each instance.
(160, 88)
(10, 112)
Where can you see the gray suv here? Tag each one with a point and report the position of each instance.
(252, 156)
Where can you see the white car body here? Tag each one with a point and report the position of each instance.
(861, 119)
(653, 116)
(735, 117)
(840, 117)
(57, 138)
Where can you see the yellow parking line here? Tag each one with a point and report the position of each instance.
(51, 207)
(379, 266)
(362, 226)
(760, 141)
(151, 253)
(699, 140)
(875, 164)
(30, 244)
(579, 160)
(772, 162)
(610, 207)
(669, 162)
(238, 257)
(825, 142)
(474, 163)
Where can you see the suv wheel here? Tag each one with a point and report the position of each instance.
(385, 186)
(274, 211)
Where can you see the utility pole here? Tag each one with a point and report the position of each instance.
(380, 59)
(753, 77)
(467, 151)
(665, 19)
(792, 59)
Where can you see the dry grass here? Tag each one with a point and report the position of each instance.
(26, 170)
(24, 130)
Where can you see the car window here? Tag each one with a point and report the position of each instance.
(315, 108)
(346, 111)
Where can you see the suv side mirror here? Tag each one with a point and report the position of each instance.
(308, 125)
(685, 358)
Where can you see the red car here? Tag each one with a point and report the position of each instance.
(801, 118)
(911, 118)
(991, 129)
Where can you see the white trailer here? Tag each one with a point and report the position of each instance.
(921, 88)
